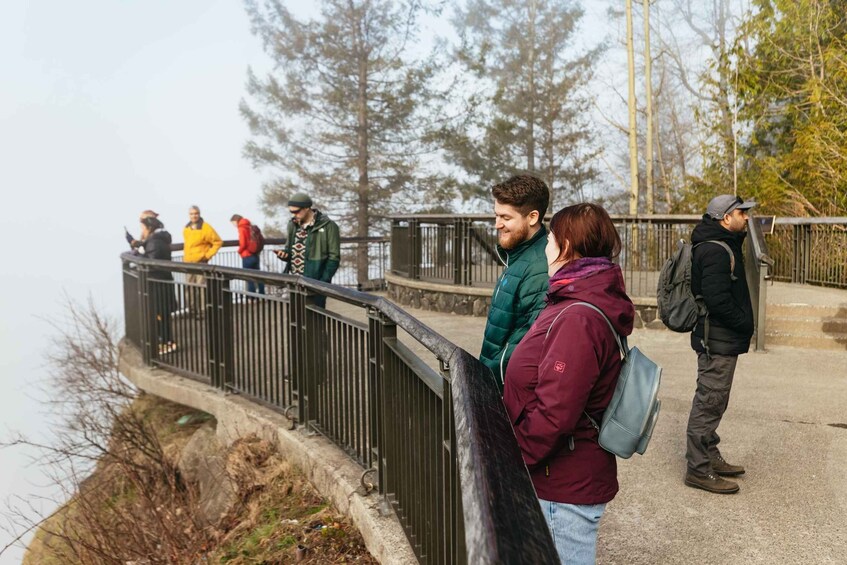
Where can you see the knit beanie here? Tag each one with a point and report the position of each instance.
(301, 200)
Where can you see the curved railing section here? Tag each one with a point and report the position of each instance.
(409, 406)
(370, 278)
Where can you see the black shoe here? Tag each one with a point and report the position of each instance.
(724, 469)
(711, 483)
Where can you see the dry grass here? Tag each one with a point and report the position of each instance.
(281, 518)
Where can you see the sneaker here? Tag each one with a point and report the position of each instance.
(711, 483)
(724, 469)
(165, 348)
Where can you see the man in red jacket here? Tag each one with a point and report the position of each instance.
(248, 249)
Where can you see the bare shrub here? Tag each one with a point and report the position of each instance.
(135, 507)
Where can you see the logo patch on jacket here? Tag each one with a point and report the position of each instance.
(559, 366)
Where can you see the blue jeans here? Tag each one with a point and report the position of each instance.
(252, 262)
(574, 528)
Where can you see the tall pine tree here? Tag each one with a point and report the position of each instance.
(530, 114)
(342, 114)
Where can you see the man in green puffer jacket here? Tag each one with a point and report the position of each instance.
(313, 248)
(519, 207)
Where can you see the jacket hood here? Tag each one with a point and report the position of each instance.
(710, 229)
(512, 254)
(243, 222)
(598, 281)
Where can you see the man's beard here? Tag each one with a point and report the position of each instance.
(513, 238)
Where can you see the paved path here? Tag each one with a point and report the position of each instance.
(787, 423)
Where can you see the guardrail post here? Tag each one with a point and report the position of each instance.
(416, 251)
(381, 436)
(219, 331)
(149, 346)
(304, 353)
(458, 256)
(807, 251)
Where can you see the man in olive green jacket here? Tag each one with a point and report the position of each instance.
(313, 248)
(519, 207)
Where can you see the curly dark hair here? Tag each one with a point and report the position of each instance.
(525, 193)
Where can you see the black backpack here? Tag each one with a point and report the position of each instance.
(679, 309)
(257, 238)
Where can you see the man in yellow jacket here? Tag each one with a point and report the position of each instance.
(201, 244)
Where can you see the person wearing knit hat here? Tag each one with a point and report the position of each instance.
(300, 200)
(313, 248)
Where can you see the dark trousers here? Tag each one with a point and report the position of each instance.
(714, 381)
(252, 262)
(164, 303)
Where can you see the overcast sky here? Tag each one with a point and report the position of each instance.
(108, 107)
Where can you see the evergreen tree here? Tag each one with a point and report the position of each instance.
(529, 114)
(792, 86)
(340, 116)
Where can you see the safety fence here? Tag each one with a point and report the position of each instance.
(431, 432)
(810, 251)
(370, 276)
(461, 250)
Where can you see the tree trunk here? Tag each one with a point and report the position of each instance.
(633, 140)
(530, 148)
(362, 157)
(648, 94)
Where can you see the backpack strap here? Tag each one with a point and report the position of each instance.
(705, 341)
(728, 250)
(621, 341)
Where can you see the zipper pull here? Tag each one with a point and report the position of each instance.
(570, 442)
(547, 470)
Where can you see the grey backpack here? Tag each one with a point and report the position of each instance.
(679, 309)
(628, 421)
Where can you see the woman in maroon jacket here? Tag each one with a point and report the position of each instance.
(567, 365)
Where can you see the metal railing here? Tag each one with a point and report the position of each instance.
(461, 250)
(810, 251)
(435, 435)
(377, 249)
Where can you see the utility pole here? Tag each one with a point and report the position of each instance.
(633, 139)
(648, 78)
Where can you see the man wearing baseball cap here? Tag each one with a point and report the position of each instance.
(313, 248)
(721, 335)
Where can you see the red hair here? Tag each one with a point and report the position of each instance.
(585, 230)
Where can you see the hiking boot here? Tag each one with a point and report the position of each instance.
(724, 469)
(711, 483)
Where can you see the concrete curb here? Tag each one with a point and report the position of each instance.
(326, 466)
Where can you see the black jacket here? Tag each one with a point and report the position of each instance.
(158, 246)
(727, 300)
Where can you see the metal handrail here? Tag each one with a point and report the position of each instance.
(284, 240)
(499, 519)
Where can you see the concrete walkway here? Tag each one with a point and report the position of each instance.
(787, 423)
